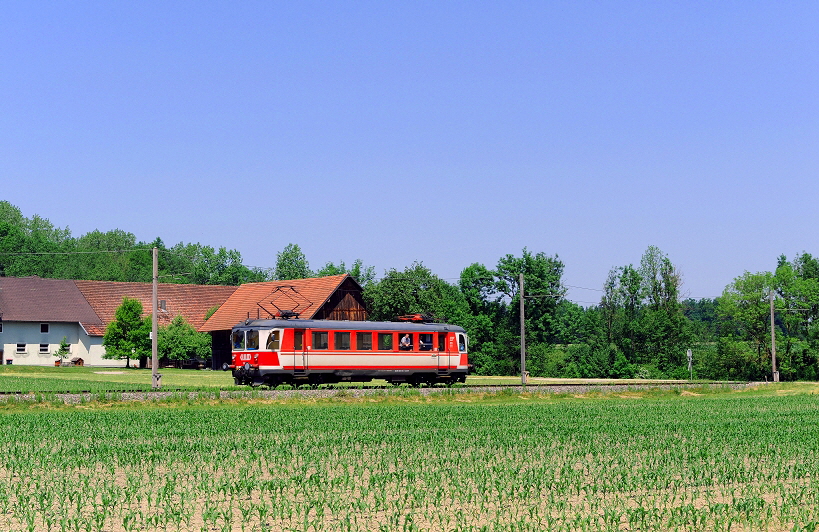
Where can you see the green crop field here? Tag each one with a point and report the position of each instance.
(653, 460)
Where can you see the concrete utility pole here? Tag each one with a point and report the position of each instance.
(157, 378)
(773, 340)
(690, 356)
(522, 337)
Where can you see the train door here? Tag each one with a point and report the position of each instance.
(299, 351)
(443, 353)
(462, 347)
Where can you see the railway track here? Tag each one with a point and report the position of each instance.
(546, 386)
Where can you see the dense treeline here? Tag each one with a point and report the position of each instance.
(640, 328)
(34, 246)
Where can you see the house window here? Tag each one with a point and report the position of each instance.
(1, 326)
(43, 348)
(21, 348)
(44, 328)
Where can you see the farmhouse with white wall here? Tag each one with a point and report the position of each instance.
(36, 314)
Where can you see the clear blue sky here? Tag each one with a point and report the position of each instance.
(441, 132)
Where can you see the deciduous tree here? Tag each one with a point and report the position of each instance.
(414, 290)
(643, 319)
(180, 341)
(363, 275)
(292, 264)
(128, 336)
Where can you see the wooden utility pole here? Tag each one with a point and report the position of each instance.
(522, 337)
(157, 378)
(773, 340)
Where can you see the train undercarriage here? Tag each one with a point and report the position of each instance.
(272, 378)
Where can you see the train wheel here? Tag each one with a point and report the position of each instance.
(316, 379)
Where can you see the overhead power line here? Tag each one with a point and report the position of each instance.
(583, 288)
(28, 253)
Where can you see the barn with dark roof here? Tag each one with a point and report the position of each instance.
(336, 297)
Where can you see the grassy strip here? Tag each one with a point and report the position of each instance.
(329, 396)
(77, 379)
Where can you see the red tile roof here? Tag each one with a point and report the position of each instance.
(45, 300)
(264, 300)
(191, 301)
(94, 303)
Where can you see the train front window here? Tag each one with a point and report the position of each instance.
(238, 340)
(462, 343)
(341, 340)
(320, 339)
(273, 340)
(252, 341)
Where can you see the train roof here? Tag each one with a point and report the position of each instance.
(342, 325)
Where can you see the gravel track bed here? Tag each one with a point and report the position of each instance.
(365, 392)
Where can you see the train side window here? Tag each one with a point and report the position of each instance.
(462, 343)
(425, 342)
(298, 339)
(364, 341)
(320, 339)
(238, 340)
(405, 343)
(273, 341)
(341, 340)
(385, 341)
(252, 339)
(441, 341)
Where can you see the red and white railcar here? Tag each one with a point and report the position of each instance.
(297, 351)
